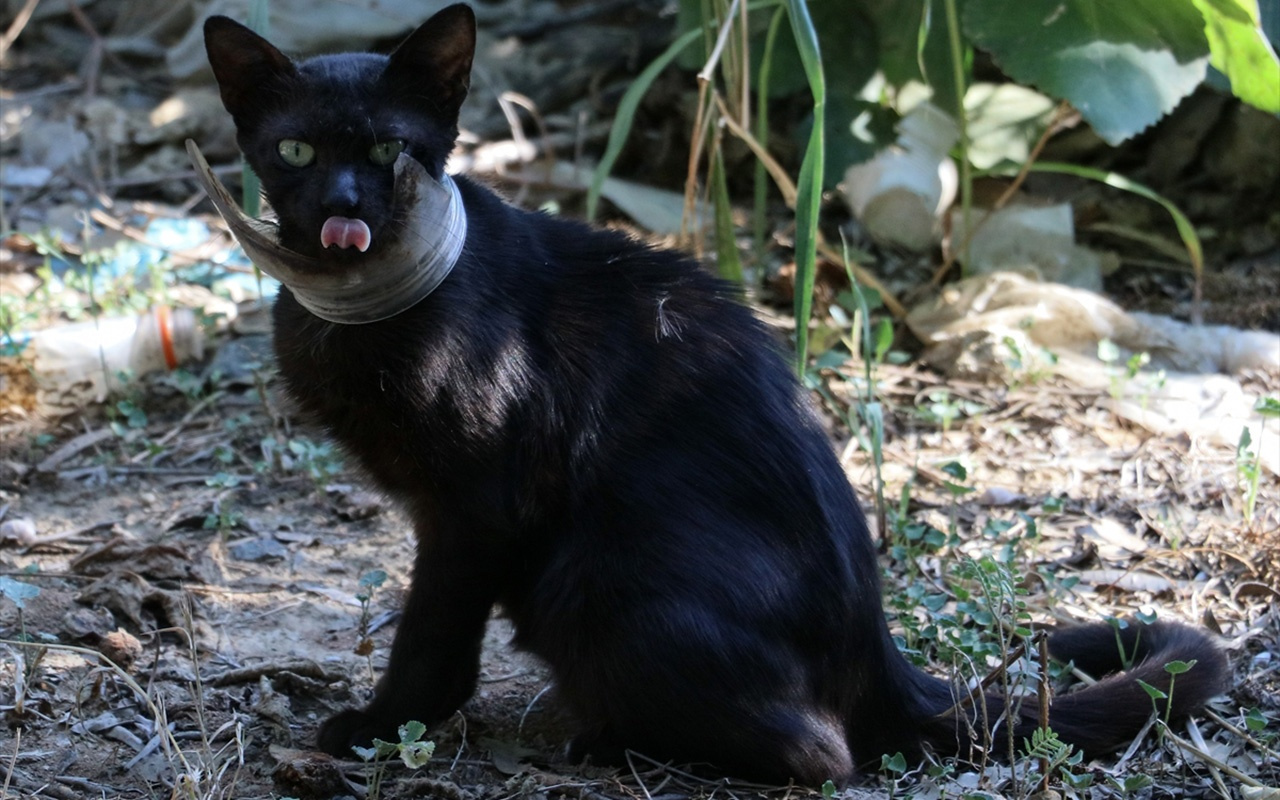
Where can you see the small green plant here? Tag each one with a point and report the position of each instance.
(894, 767)
(319, 461)
(1053, 505)
(370, 582)
(129, 415)
(18, 593)
(1249, 471)
(1248, 462)
(1027, 368)
(1109, 353)
(956, 489)
(1053, 754)
(14, 316)
(1126, 656)
(410, 750)
(222, 518)
(1174, 668)
(869, 408)
(1130, 783)
(997, 607)
(1255, 720)
(943, 409)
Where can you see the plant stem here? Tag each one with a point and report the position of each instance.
(760, 212)
(957, 69)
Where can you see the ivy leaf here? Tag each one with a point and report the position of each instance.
(1122, 65)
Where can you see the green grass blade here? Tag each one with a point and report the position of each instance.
(627, 112)
(1187, 231)
(958, 75)
(728, 262)
(759, 220)
(809, 186)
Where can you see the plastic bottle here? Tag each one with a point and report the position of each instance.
(85, 361)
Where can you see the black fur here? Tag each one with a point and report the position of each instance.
(599, 437)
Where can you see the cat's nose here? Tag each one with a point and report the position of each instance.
(341, 194)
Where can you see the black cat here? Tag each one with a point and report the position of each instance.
(600, 437)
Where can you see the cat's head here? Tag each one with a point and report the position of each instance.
(323, 133)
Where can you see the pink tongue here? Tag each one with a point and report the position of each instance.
(345, 233)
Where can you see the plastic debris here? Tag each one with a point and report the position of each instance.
(1039, 240)
(901, 194)
(84, 362)
(1162, 374)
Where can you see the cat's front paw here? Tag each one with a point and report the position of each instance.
(352, 728)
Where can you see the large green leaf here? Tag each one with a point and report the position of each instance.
(1124, 65)
(1240, 50)
(1005, 120)
(912, 39)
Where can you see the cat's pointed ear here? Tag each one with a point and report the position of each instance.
(243, 62)
(437, 57)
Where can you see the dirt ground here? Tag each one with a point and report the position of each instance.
(228, 564)
(241, 598)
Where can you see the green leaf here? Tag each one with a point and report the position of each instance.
(830, 359)
(411, 731)
(1246, 439)
(1267, 406)
(1077, 782)
(1239, 49)
(626, 114)
(897, 27)
(884, 339)
(1132, 783)
(1255, 720)
(1187, 231)
(1124, 65)
(1005, 120)
(897, 763)
(1179, 667)
(828, 790)
(17, 591)
(417, 754)
(727, 262)
(1153, 692)
(956, 470)
(912, 40)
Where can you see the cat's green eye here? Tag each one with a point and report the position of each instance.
(296, 153)
(384, 153)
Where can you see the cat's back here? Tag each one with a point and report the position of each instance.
(608, 285)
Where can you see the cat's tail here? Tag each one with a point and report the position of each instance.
(1098, 719)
